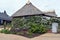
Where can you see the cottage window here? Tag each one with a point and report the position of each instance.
(48, 18)
(45, 17)
(27, 17)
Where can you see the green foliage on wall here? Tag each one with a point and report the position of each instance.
(34, 24)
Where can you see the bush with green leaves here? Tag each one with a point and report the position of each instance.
(5, 31)
(34, 24)
(23, 22)
(35, 28)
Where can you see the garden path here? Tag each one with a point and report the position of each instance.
(47, 36)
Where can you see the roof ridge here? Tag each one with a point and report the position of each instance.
(28, 2)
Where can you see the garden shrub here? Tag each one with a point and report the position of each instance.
(33, 24)
(42, 29)
(5, 31)
(35, 28)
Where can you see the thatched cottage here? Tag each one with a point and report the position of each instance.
(27, 12)
(4, 18)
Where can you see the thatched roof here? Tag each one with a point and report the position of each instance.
(27, 9)
(30, 9)
(51, 13)
(4, 16)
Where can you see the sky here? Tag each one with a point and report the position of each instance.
(11, 6)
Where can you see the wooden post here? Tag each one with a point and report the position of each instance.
(4, 24)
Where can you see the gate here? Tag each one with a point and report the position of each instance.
(54, 27)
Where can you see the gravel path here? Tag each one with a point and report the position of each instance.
(47, 36)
